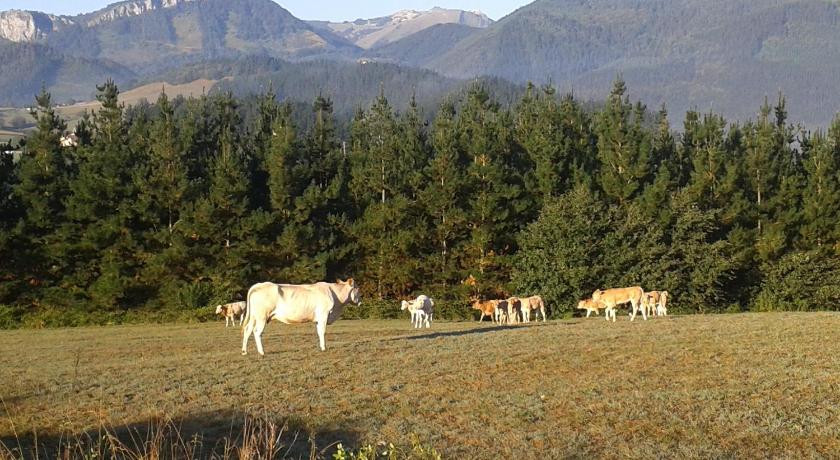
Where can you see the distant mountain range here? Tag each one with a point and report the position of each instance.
(370, 33)
(723, 55)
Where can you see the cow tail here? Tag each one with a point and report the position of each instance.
(247, 311)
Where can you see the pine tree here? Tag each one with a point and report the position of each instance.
(821, 197)
(441, 197)
(40, 189)
(493, 188)
(380, 181)
(217, 226)
(623, 148)
(100, 208)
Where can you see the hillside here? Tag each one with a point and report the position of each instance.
(25, 67)
(423, 47)
(370, 33)
(716, 54)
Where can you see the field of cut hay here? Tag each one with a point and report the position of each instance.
(723, 386)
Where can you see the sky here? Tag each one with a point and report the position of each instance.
(332, 10)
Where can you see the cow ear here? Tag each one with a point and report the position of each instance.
(350, 281)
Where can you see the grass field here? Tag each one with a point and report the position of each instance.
(723, 386)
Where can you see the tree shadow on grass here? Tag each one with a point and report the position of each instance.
(483, 330)
(223, 435)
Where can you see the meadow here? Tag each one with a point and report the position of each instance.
(701, 386)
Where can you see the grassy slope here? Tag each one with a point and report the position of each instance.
(72, 113)
(748, 385)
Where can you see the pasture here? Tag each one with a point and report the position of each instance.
(722, 386)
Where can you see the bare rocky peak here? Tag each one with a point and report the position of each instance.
(29, 26)
(132, 8)
(368, 33)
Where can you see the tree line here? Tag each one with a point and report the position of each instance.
(177, 205)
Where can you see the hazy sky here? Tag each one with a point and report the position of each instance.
(333, 10)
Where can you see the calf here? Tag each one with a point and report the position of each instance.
(662, 306)
(486, 307)
(230, 311)
(514, 310)
(590, 306)
(421, 309)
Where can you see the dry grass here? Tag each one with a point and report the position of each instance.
(72, 113)
(746, 386)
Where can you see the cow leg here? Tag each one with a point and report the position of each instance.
(644, 313)
(429, 321)
(322, 329)
(258, 330)
(588, 312)
(542, 310)
(247, 333)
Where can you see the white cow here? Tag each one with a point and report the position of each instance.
(322, 303)
(534, 303)
(421, 308)
(230, 311)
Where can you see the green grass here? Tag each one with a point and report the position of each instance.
(743, 385)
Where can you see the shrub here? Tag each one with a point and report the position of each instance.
(801, 281)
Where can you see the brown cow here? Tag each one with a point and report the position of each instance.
(613, 297)
(491, 308)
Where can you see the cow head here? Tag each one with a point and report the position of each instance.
(581, 305)
(355, 294)
(404, 305)
(219, 309)
(597, 294)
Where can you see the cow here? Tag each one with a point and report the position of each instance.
(650, 300)
(421, 309)
(590, 306)
(230, 311)
(662, 306)
(321, 303)
(487, 308)
(514, 310)
(613, 297)
(530, 304)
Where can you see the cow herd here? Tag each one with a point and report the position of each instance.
(511, 310)
(323, 303)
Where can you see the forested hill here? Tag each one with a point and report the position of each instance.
(175, 207)
(724, 55)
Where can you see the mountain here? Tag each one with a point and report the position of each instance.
(421, 48)
(370, 33)
(150, 34)
(725, 55)
(24, 67)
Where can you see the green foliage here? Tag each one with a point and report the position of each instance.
(165, 210)
(800, 281)
(388, 451)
